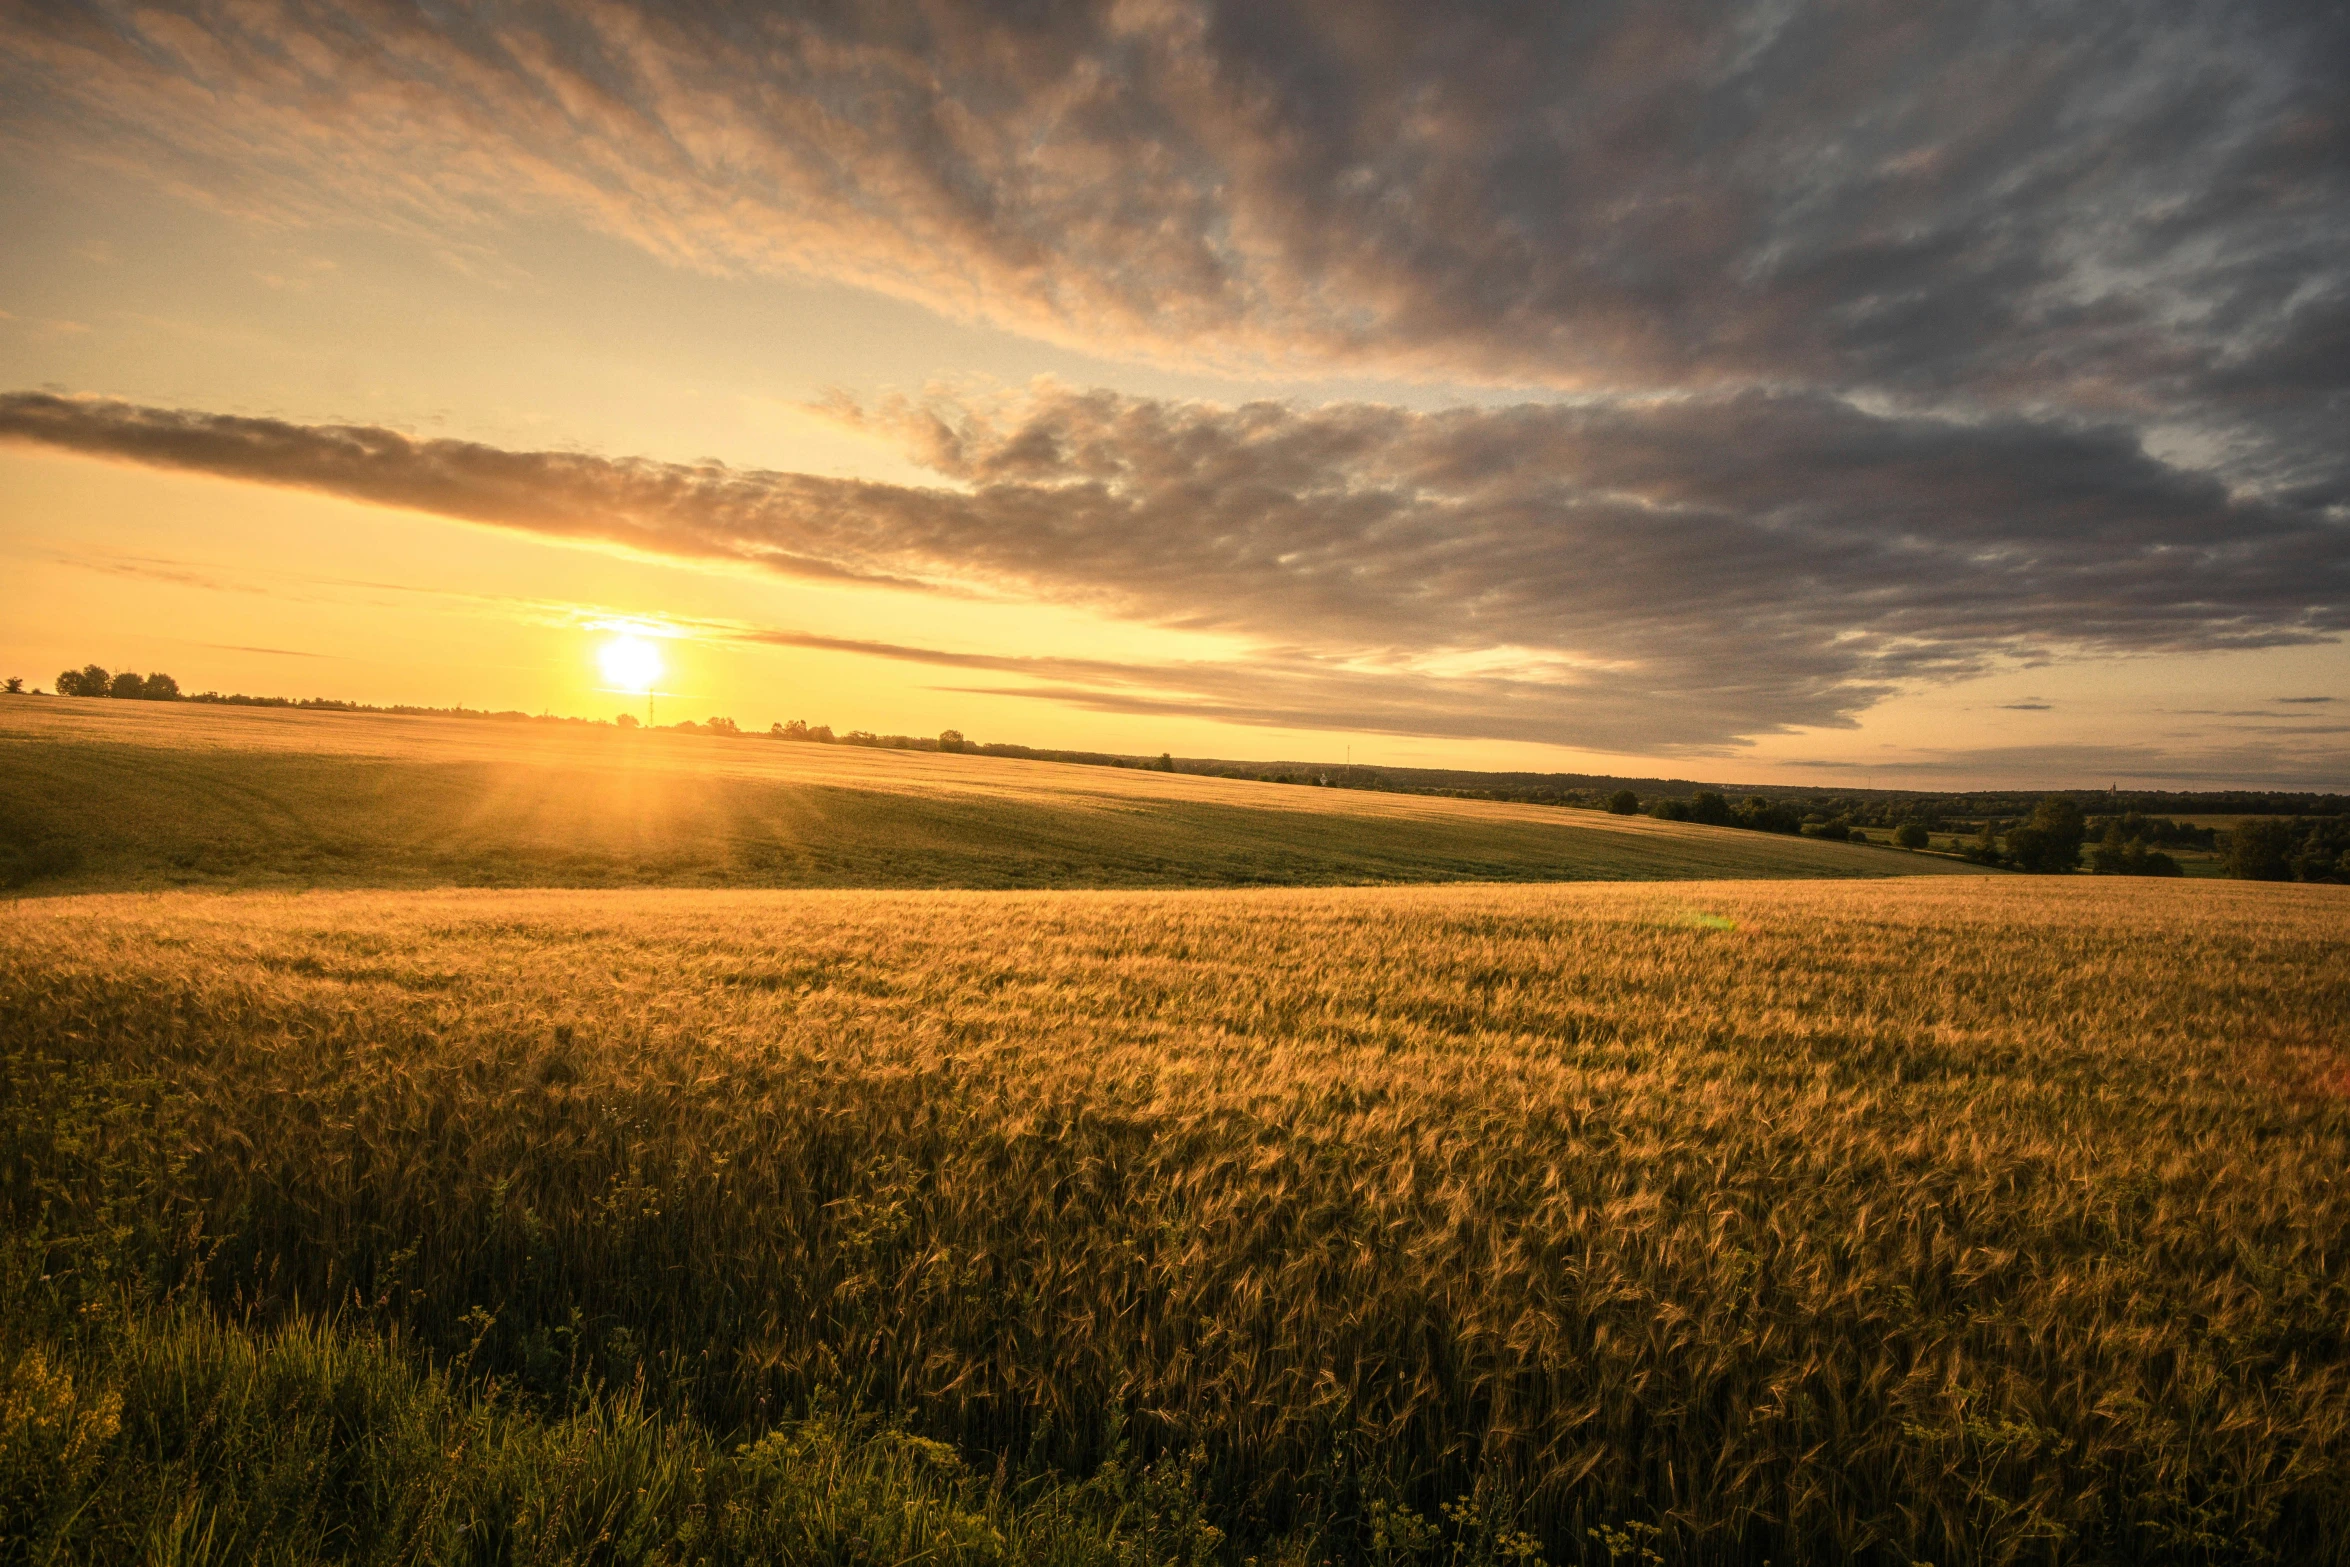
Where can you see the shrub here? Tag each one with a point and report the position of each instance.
(1911, 835)
(1624, 803)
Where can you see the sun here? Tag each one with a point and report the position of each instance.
(630, 663)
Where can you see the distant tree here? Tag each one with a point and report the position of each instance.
(1764, 815)
(89, 680)
(127, 686)
(2119, 853)
(1670, 810)
(2049, 841)
(797, 729)
(1166, 761)
(1911, 835)
(1710, 808)
(625, 721)
(2260, 848)
(950, 739)
(1623, 803)
(821, 733)
(722, 726)
(13, 685)
(1832, 832)
(160, 687)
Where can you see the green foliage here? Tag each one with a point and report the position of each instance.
(2299, 849)
(91, 680)
(2118, 854)
(1911, 835)
(1623, 803)
(1759, 814)
(1710, 808)
(2049, 842)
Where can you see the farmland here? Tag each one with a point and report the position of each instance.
(127, 795)
(1954, 1220)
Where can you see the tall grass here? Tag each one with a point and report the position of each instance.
(1951, 1222)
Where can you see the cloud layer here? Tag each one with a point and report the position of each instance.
(2136, 212)
(1893, 339)
(1664, 575)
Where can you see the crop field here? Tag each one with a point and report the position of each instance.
(1962, 1220)
(100, 795)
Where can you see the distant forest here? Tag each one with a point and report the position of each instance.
(2306, 836)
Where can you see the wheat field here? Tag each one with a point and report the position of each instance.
(1951, 1221)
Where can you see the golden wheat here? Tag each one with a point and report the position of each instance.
(1956, 1221)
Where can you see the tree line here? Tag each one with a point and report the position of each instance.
(126, 685)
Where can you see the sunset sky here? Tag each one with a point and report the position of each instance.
(1895, 395)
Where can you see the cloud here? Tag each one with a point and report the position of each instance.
(2135, 211)
(1681, 573)
(2026, 707)
(2237, 765)
(2302, 700)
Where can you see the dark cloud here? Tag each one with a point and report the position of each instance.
(2300, 700)
(2026, 707)
(1674, 573)
(2136, 212)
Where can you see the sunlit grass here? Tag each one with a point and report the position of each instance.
(173, 795)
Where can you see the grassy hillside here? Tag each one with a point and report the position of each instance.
(153, 795)
(1961, 1221)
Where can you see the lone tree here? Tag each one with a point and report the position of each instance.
(1911, 835)
(13, 685)
(1623, 803)
(950, 739)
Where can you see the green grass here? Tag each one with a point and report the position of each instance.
(106, 795)
(1964, 1221)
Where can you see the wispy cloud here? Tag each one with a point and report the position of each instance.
(275, 652)
(2136, 212)
(1683, 572)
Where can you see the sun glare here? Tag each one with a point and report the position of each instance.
(630, 663)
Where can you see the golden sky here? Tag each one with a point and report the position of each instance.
(1639, 392)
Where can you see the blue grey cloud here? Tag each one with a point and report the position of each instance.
(1680, 573)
